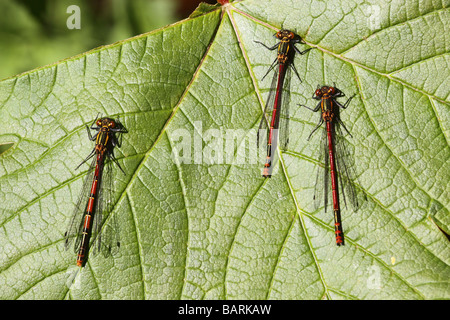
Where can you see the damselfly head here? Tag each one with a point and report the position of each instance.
(106, 122)
(283, 34)
(325, 90)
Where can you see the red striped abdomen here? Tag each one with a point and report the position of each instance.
(90, 210)
(274, 121)
(334, 186)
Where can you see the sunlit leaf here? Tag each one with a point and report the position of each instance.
(209, 226)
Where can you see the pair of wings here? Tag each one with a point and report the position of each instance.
(105, 234)
(282, 123)
(345, 171)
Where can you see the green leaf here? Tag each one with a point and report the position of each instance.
(216, 229)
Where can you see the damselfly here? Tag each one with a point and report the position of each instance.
(95, 199)
(337, 154)
(277, 95)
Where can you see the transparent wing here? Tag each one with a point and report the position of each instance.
(75, 227)
(111, 239)
(105, 222)
(322, 190)
(263, 130)
(280, 118)
(98, 215)
(345, 172)
(346, 169)
(283, 125)
(110, 228)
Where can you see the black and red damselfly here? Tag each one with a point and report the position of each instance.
(278, 96)
(95, 199)
(337, 155)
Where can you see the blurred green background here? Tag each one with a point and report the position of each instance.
(34, 33)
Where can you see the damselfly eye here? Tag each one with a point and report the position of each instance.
(331, 90)
(278, 35)
(318, 92)
(99, 122)
(112, 124)
(291, 35)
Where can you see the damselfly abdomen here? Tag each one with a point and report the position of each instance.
(276, 108)
(95, 199)
(337, 155)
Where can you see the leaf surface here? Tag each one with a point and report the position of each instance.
(209, 226)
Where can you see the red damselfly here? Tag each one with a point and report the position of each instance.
(95, 199)
(278, 94)
(337, 155)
